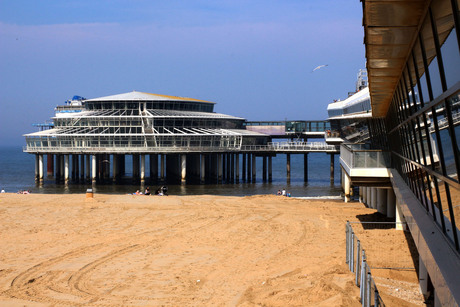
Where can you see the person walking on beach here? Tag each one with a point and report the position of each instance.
(283, 192)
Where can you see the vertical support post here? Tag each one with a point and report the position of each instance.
(93, 168)
(358, 253)
(142, 168)
(232, 167)
(332, 168)
(61, 162)
(183, 166)
(305, 167)
(391, 203)
(374, 198)
(270, 169)
(219, 167)
(253, 168)
(49, 165)
(243, 171)
(88, 167)
(346, 188)
(162, 167)
(382, 201)
(115, 167)
(264, 168)
(37, 166)
(229, 167)
(249, 168)
(237, 167)
(203, 168)
(58, 167)
(77, 168)
(82, 167)
(288, 167)
(66, 168)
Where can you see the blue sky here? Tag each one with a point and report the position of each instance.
(253, 58)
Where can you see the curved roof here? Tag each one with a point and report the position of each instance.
(141, 96)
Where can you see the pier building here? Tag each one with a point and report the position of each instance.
(97, 134)
(179, 139)
(408, 167)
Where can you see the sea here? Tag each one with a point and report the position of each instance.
(17, 171)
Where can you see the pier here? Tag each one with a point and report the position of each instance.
(173, 164)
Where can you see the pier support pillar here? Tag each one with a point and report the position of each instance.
(288, 167)
(249, 167)
(183, 165)
(243, 171)
(202, 168)
(82, 167)
(253, 168)
(237, 168)
(162, 167)
(153, 163)
(61, 168)
(264, 168)
(232, 167)
(50, 165)
(37, 166)
(219, 167)
(305, 167)
(88, 167)
(93, 168)
(374, 198)
(229, 167)
(332, 168)
(369, 197)
(346, 188)
(66, 168)
(41, 167)
(142, 168)
(364, 194)
(270, 169)
(382, 201)
(58, 168)
(391, 203)
(115, 167)
(77, 168)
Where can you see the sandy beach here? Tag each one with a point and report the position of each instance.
(125, 250)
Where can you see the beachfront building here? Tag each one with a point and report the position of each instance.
(182, 138)
(349, 118)
(409, 167)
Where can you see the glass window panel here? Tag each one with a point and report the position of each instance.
(451, 59)
(428, 43)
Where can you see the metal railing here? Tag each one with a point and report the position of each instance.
(142, 147)
(292, 146)
(357, 156)
(357, 263)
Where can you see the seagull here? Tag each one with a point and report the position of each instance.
(319, 67)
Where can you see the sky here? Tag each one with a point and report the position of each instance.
(254, 58)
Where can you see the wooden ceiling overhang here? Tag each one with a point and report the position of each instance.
(390, 30)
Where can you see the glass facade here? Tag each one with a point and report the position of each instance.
(423, 121)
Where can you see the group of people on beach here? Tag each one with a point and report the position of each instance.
(283, 193)
(161, 191)
(21, 192)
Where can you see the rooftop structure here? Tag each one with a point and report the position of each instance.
(138, 122)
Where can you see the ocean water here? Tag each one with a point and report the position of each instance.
(17, 170)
